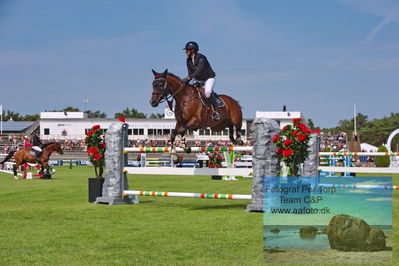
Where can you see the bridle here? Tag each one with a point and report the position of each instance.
(164, 93)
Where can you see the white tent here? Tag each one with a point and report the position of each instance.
(367, 147)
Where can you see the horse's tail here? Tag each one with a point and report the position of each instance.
(8, 157)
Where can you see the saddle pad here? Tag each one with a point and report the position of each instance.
(32, 153)
(205, 101)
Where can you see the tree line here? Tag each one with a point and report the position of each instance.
(128, 113)
(374, 132)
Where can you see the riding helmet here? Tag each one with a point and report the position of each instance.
(192, 46)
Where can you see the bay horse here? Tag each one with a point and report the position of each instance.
(23, 156)
(190, 112)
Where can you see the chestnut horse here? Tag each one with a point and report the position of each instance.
(190, 112)
(23, 156)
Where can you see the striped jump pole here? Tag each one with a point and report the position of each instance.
(358, 154)
(354, 186)
(186, 195)
(193, 149)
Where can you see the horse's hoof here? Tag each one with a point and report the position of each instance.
(16, 177)
(175, 158)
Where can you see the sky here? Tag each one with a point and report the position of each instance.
(317, 57)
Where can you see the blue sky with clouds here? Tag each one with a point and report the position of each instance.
(318, 57)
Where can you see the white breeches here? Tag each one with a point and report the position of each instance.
(208, 87)
(37, 148)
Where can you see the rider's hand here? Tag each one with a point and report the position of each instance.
(186, 79)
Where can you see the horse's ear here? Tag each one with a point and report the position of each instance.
(164, 73)
(154, 72)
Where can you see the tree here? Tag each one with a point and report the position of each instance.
(133, 113)
(310, 124)
(31, 117)
(382, 161)
(96, 114)
(67, 109)
(71, 109)
(8, 114)
(159, 115)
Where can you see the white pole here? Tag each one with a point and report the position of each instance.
(354, 114)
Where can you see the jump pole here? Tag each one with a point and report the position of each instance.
(192, 149)
(187, 195)
(116, 189)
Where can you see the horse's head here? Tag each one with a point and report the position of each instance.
(159, 88)
(59, 148)
(54, 146)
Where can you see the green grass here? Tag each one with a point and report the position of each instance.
(45, 222)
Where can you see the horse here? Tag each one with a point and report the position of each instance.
(190, 111)
(23, 156)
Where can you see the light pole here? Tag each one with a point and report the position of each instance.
(85, 100)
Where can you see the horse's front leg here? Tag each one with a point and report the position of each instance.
(192, 123)
(43, 167)
(14, 168)
(175, 132)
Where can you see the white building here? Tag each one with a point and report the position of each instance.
(282, 118)
(75, 125)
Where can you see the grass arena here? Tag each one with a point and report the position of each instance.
(50, 222)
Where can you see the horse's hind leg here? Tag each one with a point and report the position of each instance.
(237, 140)
(231, 134)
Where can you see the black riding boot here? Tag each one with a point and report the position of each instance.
(216, 114)
(38, 155)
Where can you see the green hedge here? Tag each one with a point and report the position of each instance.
(382, 161)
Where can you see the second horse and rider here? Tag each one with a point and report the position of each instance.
(40, 154)
(196, 105)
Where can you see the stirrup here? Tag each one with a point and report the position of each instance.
(216, 116)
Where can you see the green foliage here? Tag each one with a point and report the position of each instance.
(348, 125)
(9, 114)
(67, 109)
(132, 113)
(382, 161)
(215, 160)
(31, 117)
(310, 124)
(70, 109)
(96, 149)
(374, 132)
(96, 114)
(159, 115)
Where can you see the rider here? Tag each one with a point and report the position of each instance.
(199, 70)
(37, 144)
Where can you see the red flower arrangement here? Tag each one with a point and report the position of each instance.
(293, 143)
(96, 149)
(215, 160)
(122, 119)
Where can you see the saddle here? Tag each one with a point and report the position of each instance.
(33, 153)
(201, 93)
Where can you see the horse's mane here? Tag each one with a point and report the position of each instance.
(173, 75)
(48, 144)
